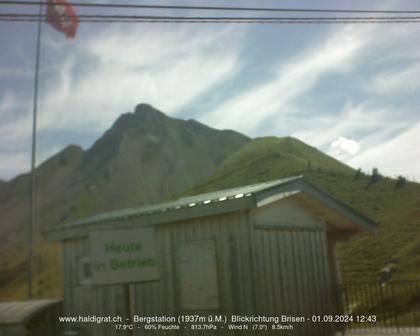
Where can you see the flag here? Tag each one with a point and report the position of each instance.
(62, 16)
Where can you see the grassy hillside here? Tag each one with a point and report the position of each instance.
(395, 207)
(267, 158)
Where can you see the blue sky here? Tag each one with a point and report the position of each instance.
(349, 90)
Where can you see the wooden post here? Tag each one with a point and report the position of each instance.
(129, 293)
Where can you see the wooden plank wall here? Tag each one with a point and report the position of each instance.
(268, 271)
(293, 273)
(292, 257)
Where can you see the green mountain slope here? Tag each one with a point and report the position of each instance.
(145, 157)
(268, 157)
(395, 207)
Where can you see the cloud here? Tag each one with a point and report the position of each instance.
(15, 126)
(397, 81)
(165, 67)
(13, 72)
(87, 83)
(396, 156)
(248, 110)
(367, 136)
(371, 124)
(14, 147)
(343, 148)
(15, 130)
(8, 102)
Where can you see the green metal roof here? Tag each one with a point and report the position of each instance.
(213, 203)
(186, 202)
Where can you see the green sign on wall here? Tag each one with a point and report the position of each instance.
(121, 256)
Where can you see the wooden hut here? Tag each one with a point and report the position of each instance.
(30, 318)
(266, 249)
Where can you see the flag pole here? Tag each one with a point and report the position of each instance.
(32, 224)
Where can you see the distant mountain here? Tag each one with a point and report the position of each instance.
(394, 204)
(145, 157)
(3, 184)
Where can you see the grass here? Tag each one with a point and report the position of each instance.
(47, 280)
(395, 208)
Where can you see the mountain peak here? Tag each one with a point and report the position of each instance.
(147, 113)
(143, 114)
(146, 109)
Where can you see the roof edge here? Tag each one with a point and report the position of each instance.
(355, 216)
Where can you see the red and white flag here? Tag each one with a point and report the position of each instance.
(62, 16)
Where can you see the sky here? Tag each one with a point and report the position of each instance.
(348, 90)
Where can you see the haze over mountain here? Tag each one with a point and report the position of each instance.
(146, 157)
